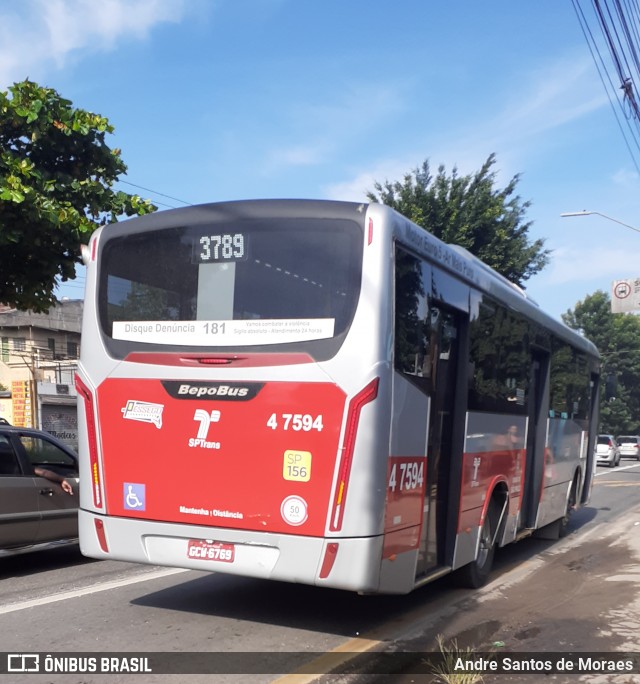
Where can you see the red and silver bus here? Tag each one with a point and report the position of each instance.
(321, 392)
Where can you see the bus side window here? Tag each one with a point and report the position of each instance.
(413, 343)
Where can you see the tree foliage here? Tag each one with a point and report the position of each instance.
(470, 211)
(56, 187)
(617, 337)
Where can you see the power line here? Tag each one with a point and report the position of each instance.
(625, 25)
(155, 192)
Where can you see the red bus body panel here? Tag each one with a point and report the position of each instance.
(264, 461)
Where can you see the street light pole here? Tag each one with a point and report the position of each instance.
(597, 213)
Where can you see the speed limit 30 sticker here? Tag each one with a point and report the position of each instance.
(294, 510)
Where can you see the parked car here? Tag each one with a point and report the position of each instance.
(35, 511)
(629, 446)
(607, 450)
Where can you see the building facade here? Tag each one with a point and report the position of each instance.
(38, 359)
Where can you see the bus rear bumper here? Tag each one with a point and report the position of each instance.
(342, 563)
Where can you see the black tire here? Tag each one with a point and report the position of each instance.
(563, 529)
(476, 573)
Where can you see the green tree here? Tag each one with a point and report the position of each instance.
(617, 337)
(470, 211)
(56, 178)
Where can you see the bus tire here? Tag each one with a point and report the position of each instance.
(563, 527)
(476, 573)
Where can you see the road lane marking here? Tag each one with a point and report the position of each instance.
(617, 483)
(615, 470)
(330, 660)
(94, 589)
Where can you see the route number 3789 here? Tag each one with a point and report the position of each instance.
(295, 421)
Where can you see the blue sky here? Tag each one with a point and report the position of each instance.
(228, 99)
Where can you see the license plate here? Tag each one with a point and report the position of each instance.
(214, 551)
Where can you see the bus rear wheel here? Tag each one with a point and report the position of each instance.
(476, 573)
(563, 528)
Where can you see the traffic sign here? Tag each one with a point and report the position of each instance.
(625, 295)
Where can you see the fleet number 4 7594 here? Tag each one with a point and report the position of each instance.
(297, 422)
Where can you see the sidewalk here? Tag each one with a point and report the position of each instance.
(586, 600)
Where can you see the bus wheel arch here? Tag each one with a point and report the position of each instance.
(475, 574)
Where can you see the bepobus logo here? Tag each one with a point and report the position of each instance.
(227, 391)
(220, 391)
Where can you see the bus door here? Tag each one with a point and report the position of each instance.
(426, 350)
(443, 360)
(537, 457)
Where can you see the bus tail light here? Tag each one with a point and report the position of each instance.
(368, 394)
(92, 438)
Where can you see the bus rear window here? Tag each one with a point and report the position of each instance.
(220, 286)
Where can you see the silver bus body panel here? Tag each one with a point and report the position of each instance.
(366, 354)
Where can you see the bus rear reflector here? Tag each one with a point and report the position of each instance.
(92, 438)
(100, 533)
(368, 394)
(328, 560)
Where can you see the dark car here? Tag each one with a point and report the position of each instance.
(35, 511)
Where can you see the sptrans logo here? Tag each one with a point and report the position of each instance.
(223, 391)
(205, 419)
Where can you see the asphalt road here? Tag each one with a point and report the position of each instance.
(543, 595)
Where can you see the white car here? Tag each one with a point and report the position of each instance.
(629, 446)
(607, 451)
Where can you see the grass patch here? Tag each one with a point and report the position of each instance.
(444, 671)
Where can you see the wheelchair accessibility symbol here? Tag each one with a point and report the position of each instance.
(134, 496)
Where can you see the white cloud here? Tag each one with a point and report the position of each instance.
(626, 179)
(544, 101)
(296, 156)
(547, 99)
(330, 128)
(45, 33)
(553, 97)
(355, 189)
(579, 264)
